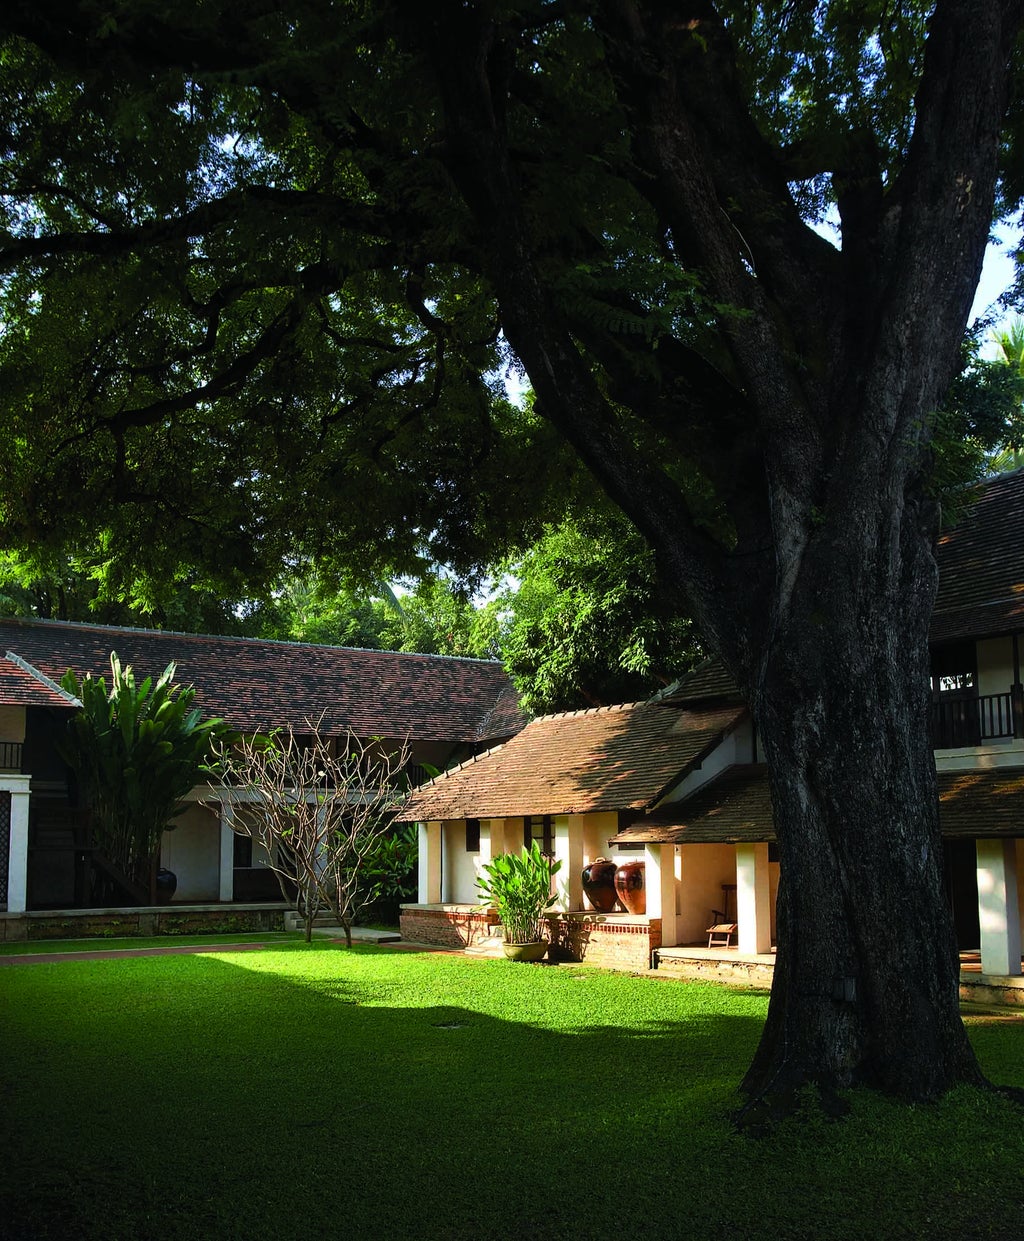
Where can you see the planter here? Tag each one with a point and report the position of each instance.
(599, 884)
(525, 952)
(629, 887)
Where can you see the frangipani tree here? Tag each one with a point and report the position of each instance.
(136, 749)
(321, 810)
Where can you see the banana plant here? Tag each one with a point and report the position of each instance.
(136, 750)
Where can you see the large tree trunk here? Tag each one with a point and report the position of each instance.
(811, 423)
(866, 978)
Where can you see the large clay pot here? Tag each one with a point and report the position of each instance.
(166, 885)
(599, 884)
(629, 887)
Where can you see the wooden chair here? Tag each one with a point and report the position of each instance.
(721, 930)
(720, 934)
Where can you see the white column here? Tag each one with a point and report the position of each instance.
(569, 851)
(506, 836)
(998, 907)
(660, 886)
(492, 842)
(17, 857)
(227, 852)
(753, 898)
(429, 863)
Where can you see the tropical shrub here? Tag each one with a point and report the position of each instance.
(518, 886)
(136, 751)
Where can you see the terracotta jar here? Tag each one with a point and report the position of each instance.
(599, 884)
(629, 887)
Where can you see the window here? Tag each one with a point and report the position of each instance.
(541, 829)
(955, 670)
(472, 835)
(243, 851)
(955, 714)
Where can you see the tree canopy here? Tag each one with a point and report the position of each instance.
(265, 266)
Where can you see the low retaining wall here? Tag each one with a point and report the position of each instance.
(448, 926)
(999, 991)
(617, 941)
(745, 971)
(157, 920)
(752, 971)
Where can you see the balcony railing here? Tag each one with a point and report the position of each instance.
(10, 756)
(957, 722)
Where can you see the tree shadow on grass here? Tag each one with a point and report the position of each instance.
(273, 1097)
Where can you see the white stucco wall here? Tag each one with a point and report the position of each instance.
(703, 870)
(192, 851)
(995, 665)
(459, 867)
(1020, 883)
(12, 723)
(738, 747)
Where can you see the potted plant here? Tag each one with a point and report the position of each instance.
(518, 887)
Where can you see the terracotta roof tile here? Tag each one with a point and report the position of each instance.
(612, 758)
(256, 684)
(982, 803)
(736, 807)
(19, 687)
(708, 682)
(733, 807)
(981, 565)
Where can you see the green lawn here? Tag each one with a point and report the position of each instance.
(313, 1093)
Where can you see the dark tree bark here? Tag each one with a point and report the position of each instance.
(821, 606)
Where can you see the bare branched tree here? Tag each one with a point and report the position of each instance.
(320, 809)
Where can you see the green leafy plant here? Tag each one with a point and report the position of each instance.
(518, 886)
(136, 750)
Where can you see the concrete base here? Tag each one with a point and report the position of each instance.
(1000, 991)
(749, 969)
(756, 970)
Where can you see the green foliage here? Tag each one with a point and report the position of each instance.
(283, 338)
(980, 428)
(518, 886)
(388, 873)
(585, 624)
(136, 751)
(433, 618)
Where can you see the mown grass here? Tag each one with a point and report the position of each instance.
(310, 1092)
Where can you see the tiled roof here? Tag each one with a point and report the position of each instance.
(736, 807)
(732, 808)
(982, 803)
(611, 758)
(708, 682)
(981, 565)
(256, 684)
(19, 687)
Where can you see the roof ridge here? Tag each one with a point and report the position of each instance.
(565, 715)
(47, 623)
(42, 678)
